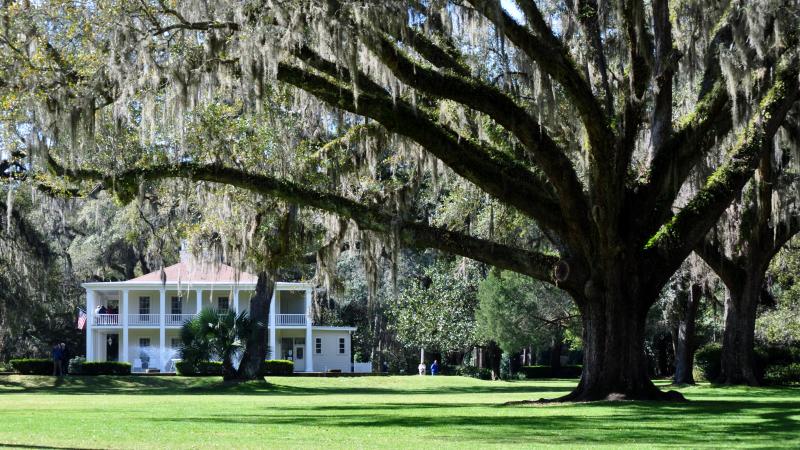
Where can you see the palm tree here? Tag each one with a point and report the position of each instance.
(214, 334)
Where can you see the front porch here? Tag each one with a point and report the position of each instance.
(142, 348)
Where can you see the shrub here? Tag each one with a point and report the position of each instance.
(475, 372)
(75, 366)
(278, 367)
(30, 366)
(783, 374)
(707, 359)
(547, 371)
(200, 368)
(105, 368)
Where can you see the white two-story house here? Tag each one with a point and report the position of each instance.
(139, 320)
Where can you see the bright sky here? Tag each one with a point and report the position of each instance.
(511, 7)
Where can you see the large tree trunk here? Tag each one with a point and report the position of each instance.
(684, 348)
(252, 365)
(738, 357)
(614, 360)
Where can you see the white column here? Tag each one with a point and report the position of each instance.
(162, 331)
(199, 300)
(236, 300)
(309, 335)
(89, 325)
(124, 356)
(272, 354)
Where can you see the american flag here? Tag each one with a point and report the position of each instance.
(81, 319)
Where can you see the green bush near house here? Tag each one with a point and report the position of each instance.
(278, 367)
(32, 366)
(475, 372)
(105, 368)
(707, 360)
(200, 368)
(547, 372)
(785, 374)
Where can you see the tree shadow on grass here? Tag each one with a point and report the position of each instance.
(109, 385)
(710, 423)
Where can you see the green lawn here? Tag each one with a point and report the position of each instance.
(430, 412)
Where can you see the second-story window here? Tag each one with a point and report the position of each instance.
(144, 305)
(222, 304)
(176, 306)
(318, 345)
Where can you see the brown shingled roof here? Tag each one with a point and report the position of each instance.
(203, 273)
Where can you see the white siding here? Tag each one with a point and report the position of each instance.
(330, 358)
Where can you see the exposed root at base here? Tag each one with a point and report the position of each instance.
(573, 397)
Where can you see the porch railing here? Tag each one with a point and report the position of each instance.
(290, 319)
(178, 319)
(142, 319)
(103, 320)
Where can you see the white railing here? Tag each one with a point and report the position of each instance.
(143, 319)
(178, 319)
(290, 319)
(102, 320)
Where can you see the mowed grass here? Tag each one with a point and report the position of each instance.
(370, 412)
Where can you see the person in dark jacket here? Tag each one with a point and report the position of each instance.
(57, 356)
(64, 359)
(435, 367)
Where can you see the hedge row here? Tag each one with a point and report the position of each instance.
(206, 368)
(773, 365)
(783, 374)
(201, 368)
(32, 366)
(548, 372)
(103, 368)
(278, 367)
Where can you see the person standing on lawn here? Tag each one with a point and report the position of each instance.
(58, 354)
(64, 359)
(435, 367)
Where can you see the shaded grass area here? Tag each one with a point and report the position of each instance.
(387, 412)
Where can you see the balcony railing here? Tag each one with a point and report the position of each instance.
(105, 320)
(143, 319)
(290, 319)
(178, 319)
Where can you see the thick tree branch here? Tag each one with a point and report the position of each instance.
(489, 169)
(688, 227)
(415, 234)
(588, 17)
(728, 271)
(551, 55)
(675, 154)
(548, 155)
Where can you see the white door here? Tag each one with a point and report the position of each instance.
(299, 358)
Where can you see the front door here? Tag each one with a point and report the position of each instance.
(299, 358)
(112, 347)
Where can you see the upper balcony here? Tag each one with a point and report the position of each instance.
(141, 320)
(283, 320)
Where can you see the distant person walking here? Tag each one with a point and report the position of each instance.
(58, 355)
(435, 367)
(421, 368)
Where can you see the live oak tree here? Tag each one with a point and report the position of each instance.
(590, 127)
(742, 246)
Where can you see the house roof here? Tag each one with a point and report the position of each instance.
(184, 272)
